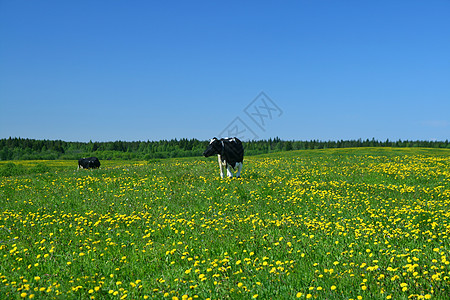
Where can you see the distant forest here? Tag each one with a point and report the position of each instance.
(30, 149)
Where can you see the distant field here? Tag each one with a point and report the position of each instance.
(67, 164)
(359, 223)
(29, 167)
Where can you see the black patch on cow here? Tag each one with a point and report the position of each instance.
(232, 151)
(89, 163)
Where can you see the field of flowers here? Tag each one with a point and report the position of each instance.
(370, 223)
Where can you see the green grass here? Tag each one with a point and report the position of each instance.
(366, 223)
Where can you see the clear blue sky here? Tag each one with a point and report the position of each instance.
(151, 70)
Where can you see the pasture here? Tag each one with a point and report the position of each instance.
(366, 223)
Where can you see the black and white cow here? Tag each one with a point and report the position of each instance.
(88, 163)
(230, 153)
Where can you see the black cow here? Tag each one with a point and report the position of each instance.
(88, 163)
(230, 154)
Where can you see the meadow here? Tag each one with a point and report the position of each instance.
(358, 223)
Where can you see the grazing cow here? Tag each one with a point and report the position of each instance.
(230, 153)
(88, 163)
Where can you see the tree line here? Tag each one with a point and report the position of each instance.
(31, 149)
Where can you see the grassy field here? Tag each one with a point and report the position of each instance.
(366, 223)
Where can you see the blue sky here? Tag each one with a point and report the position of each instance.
(151, 70)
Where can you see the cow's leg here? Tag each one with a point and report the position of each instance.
(229, 172)
(239, 165)
(220, 166)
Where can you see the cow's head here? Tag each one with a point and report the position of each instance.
(214, 147)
